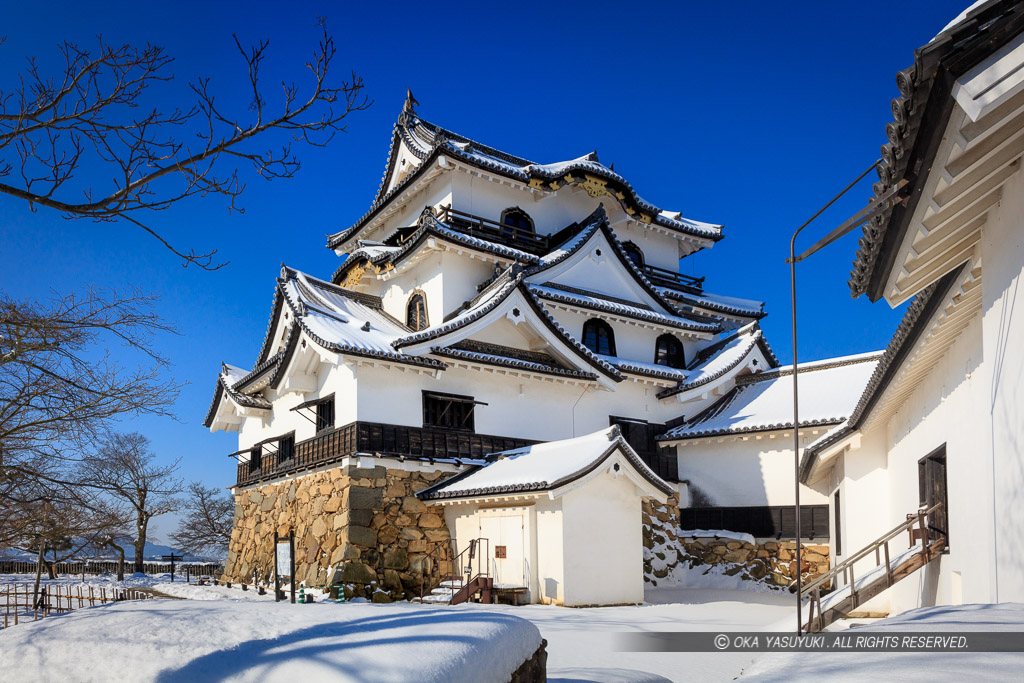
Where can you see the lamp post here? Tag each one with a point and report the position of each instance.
(881, 203)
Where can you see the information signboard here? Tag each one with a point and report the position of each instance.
(284, 558)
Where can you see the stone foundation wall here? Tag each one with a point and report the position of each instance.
(362, 528)
(666, 548)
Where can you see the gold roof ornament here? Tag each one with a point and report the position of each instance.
(410, 103)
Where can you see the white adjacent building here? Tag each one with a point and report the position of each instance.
(941, 422)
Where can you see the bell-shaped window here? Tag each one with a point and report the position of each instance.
(634, 254)
(598, 337)
(416, 312)
(518, 221)
(668, 351)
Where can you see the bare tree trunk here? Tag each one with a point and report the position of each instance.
(140, 543)
(39, 572)
(120, 562)
(51, 569)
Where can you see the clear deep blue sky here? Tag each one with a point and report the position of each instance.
(747, 114)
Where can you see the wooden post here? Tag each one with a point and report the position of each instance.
(277, 573)
(291, 558)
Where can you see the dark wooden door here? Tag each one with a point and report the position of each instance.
(932, 478)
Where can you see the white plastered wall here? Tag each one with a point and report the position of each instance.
(603, 568)
(1003, 324)
(754, 469)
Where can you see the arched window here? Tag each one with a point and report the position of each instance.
(634, 254)
(669, 351)
(598, 337)
(416, 312)
(518, 220)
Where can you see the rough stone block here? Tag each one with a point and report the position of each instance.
(387, 535)
(362, 498)
(410, 533)
(359, 535)
(396, 558)
(332, 504)
(429, 520)
(357, 572)
(434, 535)
(413, 504)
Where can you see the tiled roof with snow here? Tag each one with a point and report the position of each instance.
(635, 367)
(721, 357)
(729, 305)
(829, 390)
(427, 141)
(543, 467)
(429, 225)
(597, 302)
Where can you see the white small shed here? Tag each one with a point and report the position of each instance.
(562, 519)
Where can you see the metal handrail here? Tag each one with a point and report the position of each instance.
(846, 566)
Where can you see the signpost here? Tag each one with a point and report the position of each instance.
(284, 560)
(171, 558)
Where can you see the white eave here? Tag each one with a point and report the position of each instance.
(981, 150)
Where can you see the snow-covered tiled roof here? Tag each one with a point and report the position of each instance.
(829, 390)
(429, 225)
(723, 356)
(544, 467)
(511, 362)
(596, 302)
(729, 305)
(427, 141)
(637, 367)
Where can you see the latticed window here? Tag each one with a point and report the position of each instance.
(256, 459)
(324, 415)
(450, 411)
(286, 448)
(598, 337)
(669, 351)
(634, 254)
(518, 220)
(416, 313)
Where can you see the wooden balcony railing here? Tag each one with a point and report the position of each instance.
(663, 277)
(376, 438)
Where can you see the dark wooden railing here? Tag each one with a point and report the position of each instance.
(530, 242)
(664, 277)
(487, 229)
(376, 438)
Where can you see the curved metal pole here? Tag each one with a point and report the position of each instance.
(792, 260)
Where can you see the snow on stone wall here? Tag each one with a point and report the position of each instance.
(675, 557)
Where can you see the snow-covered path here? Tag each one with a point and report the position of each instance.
(585, 638)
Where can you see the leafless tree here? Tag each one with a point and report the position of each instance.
(51, 128)
(206, 526)
(126, 469)
(59, 389)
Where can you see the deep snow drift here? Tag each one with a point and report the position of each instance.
(229, 640)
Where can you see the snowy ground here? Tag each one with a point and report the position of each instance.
(581, 642)
(909, 666)
(234, 640)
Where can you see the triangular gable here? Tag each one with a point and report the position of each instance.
(508, 299)
(594, 260)
(555, 468)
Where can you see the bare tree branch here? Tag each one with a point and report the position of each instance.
(52, 128)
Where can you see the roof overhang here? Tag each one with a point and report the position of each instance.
(958, 136)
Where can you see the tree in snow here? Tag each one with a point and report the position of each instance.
(98, 118)
(206, 526)
(126, 469)
(59, 390)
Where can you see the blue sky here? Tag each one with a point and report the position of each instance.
(747, 114)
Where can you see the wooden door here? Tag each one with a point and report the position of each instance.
(506, 547)
(932, 484)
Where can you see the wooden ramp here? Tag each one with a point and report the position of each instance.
(926, 543)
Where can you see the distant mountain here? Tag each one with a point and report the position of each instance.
(153, 552)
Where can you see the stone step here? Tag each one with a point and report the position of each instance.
(435, 599)
(454, 583)
(444, 591)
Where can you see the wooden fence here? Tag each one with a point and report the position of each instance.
(110, 567)
(20, 603)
